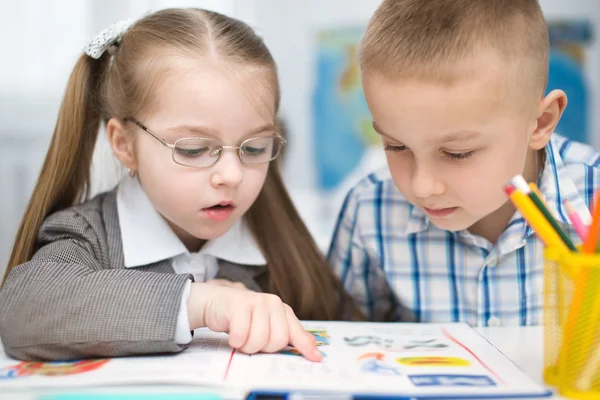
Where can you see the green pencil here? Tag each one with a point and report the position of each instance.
(532, 191)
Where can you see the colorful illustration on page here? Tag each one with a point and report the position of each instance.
(34, 368)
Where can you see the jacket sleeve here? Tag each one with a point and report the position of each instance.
(68, 302)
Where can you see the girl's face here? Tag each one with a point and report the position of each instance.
(204, 102)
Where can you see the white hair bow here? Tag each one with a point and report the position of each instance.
(108, 37)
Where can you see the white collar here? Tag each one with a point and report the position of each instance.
(147, 238)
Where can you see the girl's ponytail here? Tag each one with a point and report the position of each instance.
(65, 176)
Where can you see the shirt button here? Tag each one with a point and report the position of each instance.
(494, 322)
(492, 261)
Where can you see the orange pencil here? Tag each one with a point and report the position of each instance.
(591, 244)
(582, 296)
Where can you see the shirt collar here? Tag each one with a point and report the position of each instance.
(147, 238)
(555, 186)
(417, 220)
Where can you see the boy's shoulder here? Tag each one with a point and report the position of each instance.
(375, 205)
(575, 164)
(575, 153)
(376, 191)
(375, 186)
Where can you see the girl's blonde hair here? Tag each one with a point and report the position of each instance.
(120, 85)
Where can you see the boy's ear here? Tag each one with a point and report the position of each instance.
(122, 143)
(549, 112)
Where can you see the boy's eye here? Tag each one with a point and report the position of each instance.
(458, 156)
(389, 147)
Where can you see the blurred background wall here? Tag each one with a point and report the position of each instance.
(331, 143)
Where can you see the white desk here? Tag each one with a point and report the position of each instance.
(523, 345)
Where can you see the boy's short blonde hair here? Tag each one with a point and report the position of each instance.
(430, 38)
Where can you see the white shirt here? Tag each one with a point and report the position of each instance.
(147, 238)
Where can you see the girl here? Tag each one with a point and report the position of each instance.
(189, 99)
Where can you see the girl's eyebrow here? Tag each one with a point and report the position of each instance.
(200, 130)
(205, 131)
(263, 128)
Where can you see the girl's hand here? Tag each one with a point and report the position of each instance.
(226, 283)
(255, 322)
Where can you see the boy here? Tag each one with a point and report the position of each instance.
(456, 89)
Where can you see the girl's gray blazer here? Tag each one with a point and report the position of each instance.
(75, 299)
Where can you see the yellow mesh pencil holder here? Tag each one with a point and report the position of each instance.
(572, 323)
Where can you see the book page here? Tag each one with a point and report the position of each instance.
(368, 358)
(203, 363)
(406, 359)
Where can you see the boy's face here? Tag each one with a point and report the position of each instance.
(452, 147)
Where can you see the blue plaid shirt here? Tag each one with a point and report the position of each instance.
(390, 257)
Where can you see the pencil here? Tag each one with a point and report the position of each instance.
(581, 228)
(591, 244)
(583, 299)
(584, 382)
(591, 366)
(537, 199)
(534, 218)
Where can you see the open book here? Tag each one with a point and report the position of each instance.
(392, 360)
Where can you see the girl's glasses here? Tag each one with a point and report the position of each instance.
(199, 152)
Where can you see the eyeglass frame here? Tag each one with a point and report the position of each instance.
(173, 146)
